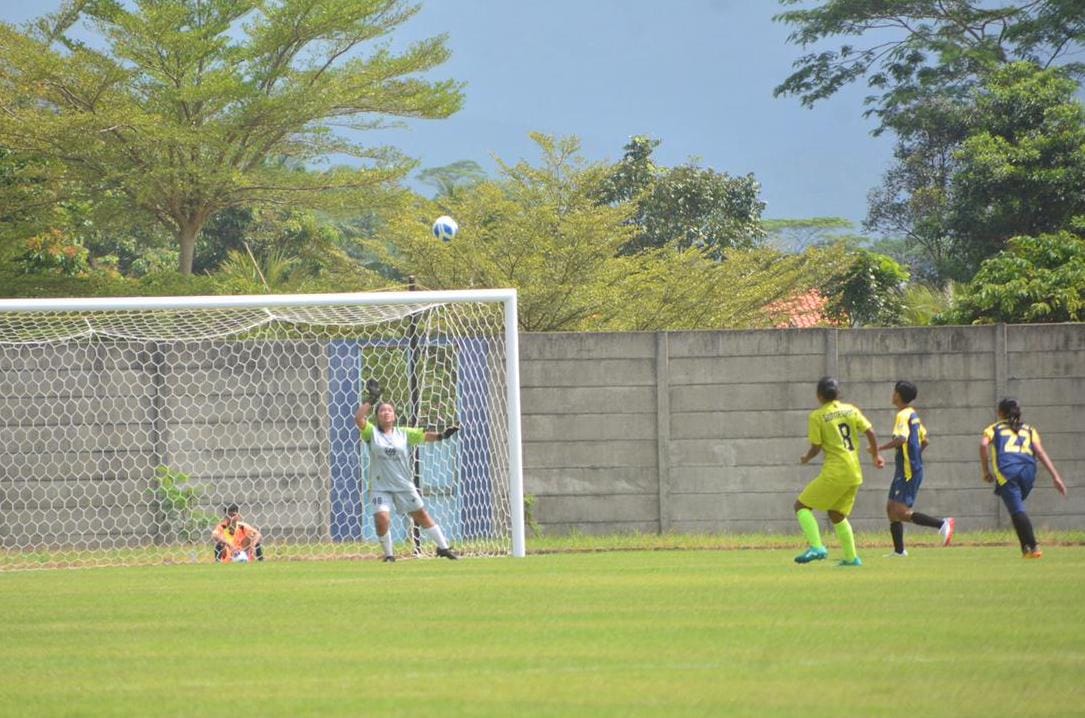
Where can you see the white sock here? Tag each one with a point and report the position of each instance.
(435, 533)
(386, 543)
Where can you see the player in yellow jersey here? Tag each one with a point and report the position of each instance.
(834, 428)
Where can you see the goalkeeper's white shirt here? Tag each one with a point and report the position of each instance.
(390, 465)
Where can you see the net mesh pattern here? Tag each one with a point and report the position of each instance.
(123, 435)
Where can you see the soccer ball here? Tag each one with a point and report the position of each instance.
(241, 557)
(445, 228)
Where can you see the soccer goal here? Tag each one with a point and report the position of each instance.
(128, 425)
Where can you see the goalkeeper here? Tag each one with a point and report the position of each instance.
(390, 471)
(234, 537)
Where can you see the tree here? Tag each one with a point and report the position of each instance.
(452, 178)
(688, 206)
(537, 228)
(193, 107)
(542, 229)
(1035, 279)
(924, 47)
(795, 235)
(914, 200)
(1021, 169)
(869, 291)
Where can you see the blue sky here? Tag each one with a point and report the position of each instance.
(697, 74)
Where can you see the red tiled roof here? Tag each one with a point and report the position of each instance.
(800, 311)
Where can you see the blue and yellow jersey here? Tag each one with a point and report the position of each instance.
(837, 428)
(910, 453)
(1013, 450)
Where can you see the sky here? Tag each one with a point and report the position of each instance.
(696, 74)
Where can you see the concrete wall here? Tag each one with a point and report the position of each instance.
(83, 426)
(648, 432)
(701, 431)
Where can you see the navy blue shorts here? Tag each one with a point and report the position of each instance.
(1014, 492)
(904, 491)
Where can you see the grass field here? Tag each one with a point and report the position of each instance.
(963, 631)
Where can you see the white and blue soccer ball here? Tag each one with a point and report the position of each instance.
(241, 557)
(445, 228)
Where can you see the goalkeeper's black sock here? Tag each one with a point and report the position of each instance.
(924, 520)
(896, 528)
(1022, 524)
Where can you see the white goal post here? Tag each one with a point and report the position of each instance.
(128, 425)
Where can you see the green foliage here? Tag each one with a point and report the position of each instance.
(529, 515)
(1021, 169)
(914, 202)
(543, 230)
(180, 109)
(923, 47)
(796, 235)
(869, 291)
(923, 303)
(179, 502)
(1035, 279)
(452, 178)
(53, 252)
(536, 228)
(686, 206)
(972, 173)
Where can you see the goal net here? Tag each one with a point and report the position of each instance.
(129, 425)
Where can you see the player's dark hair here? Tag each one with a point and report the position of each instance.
(828, 388)
(231, 509)
(1011, 411)
(907, 391)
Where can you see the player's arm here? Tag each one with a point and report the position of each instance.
(813, 451)
(255, 534)
(218, 534)
(1038, 449)
(372, 396)
(441, 435)
(894, 443)
(985, 460)
(872, 442)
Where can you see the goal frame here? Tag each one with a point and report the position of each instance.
(506, 297)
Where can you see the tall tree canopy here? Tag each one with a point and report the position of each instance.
(913, 48)
(541, 229)
(687, 206)
(181, 109)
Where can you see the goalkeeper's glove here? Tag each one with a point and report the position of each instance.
(449, 432)
(372, 391)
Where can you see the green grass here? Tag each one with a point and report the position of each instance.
(964, 631)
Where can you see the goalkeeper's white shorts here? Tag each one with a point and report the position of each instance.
(403, 502)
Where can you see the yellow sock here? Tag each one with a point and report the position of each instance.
(810, 528)
(847, 539)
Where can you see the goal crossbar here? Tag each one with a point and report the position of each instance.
(420, 302)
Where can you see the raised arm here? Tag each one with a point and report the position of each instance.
(372, 396)
(361, 417)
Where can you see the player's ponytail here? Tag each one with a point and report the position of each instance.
(1010, 410)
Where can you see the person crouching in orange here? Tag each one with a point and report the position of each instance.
(236, 540)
